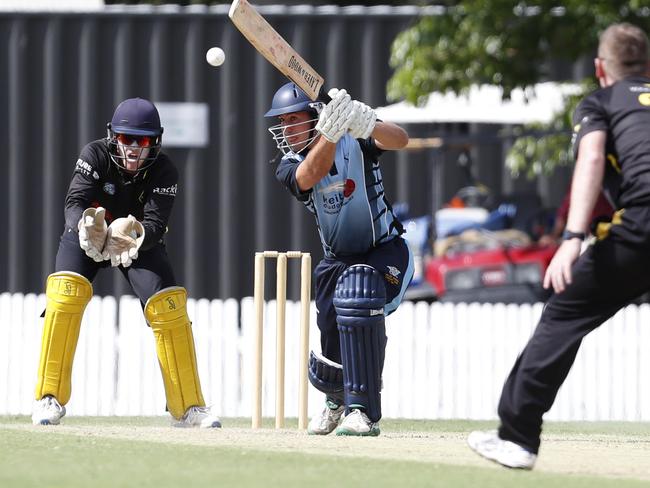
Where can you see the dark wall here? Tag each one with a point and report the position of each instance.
(63, 74)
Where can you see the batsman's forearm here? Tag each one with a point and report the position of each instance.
(389, 136)
(316, 165)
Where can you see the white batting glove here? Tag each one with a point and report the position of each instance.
(92, 232)
(336, 117)
(124, 237)
(364, 122)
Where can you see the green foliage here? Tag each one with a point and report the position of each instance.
(540, 148)
(492, 42)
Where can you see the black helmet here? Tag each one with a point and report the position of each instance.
(139, 119)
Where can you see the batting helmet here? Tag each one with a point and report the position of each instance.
(289, 98)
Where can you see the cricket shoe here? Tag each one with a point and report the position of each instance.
(489, 445)
(326, 421)
(47, 411)
(201, 417)
(357, 423)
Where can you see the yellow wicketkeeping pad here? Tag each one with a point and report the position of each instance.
(67, 296)
(166, 313)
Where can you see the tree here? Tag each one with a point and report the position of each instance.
(511, 45)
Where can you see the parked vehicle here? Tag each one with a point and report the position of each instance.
(480, 255)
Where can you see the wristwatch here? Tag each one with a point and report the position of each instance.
(567, 234)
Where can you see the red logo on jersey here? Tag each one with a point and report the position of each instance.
(348, 188)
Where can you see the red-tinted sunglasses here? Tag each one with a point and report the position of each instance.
(128, 139)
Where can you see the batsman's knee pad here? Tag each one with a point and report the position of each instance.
(67, 294)
(166, 314)
(359, 301)
(326, 376)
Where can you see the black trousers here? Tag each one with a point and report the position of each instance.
(606, 277)
(148, 274)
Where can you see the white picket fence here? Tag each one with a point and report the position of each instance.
(442, 361)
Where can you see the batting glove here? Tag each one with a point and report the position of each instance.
(336, 117)
(92, 232)
(364, 121)
(123, 239)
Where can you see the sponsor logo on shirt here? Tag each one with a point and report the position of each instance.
(109, 188)
(348, 188)
(336, 195)
(392, 276)
(83, 167)
(95, 175)
(169, 191)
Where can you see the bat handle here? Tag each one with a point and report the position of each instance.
(323, 97)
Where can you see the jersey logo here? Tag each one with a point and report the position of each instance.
(109, 188)
(644, 99)
(348, 188)
(169, 191)
(392, 276)
(338, 186)
(95, 175)
(83, 167)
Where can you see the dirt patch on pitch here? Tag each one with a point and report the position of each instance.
(610, 456)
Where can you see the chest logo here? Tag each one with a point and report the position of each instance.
(109, 188)
(348, 188)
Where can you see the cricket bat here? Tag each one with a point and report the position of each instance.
(275, 49)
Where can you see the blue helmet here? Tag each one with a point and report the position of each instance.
(289, 98)
(296, 137)
(135, 120)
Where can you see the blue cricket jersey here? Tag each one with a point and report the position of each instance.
(351, 209)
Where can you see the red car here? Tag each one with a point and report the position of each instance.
(501, 274)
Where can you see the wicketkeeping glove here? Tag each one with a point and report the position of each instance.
(336, 117)
(124, 237)
(92, 232)
(364, 121)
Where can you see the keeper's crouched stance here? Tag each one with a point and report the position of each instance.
(125, 181)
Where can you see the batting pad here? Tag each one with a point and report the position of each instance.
(359, 300)
(166, 313)
(67, 296)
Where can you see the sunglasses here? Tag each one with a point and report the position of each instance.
(142, 141)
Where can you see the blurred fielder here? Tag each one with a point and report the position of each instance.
(125, 181)
(612, 147)
(331, 164)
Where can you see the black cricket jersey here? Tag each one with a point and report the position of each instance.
(622, 110)
(97, 182)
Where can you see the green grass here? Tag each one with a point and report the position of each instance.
(52, 457)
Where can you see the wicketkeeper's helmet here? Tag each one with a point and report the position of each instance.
(135, 120)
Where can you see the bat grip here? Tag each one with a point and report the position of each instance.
(323, 97)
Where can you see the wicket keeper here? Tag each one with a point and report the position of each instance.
(116, 212)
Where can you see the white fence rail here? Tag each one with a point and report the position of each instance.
(442, 361)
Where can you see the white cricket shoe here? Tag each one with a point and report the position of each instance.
(357, 423)
(489, 445)
(201, 417)
(326, 421)
(47, 411)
